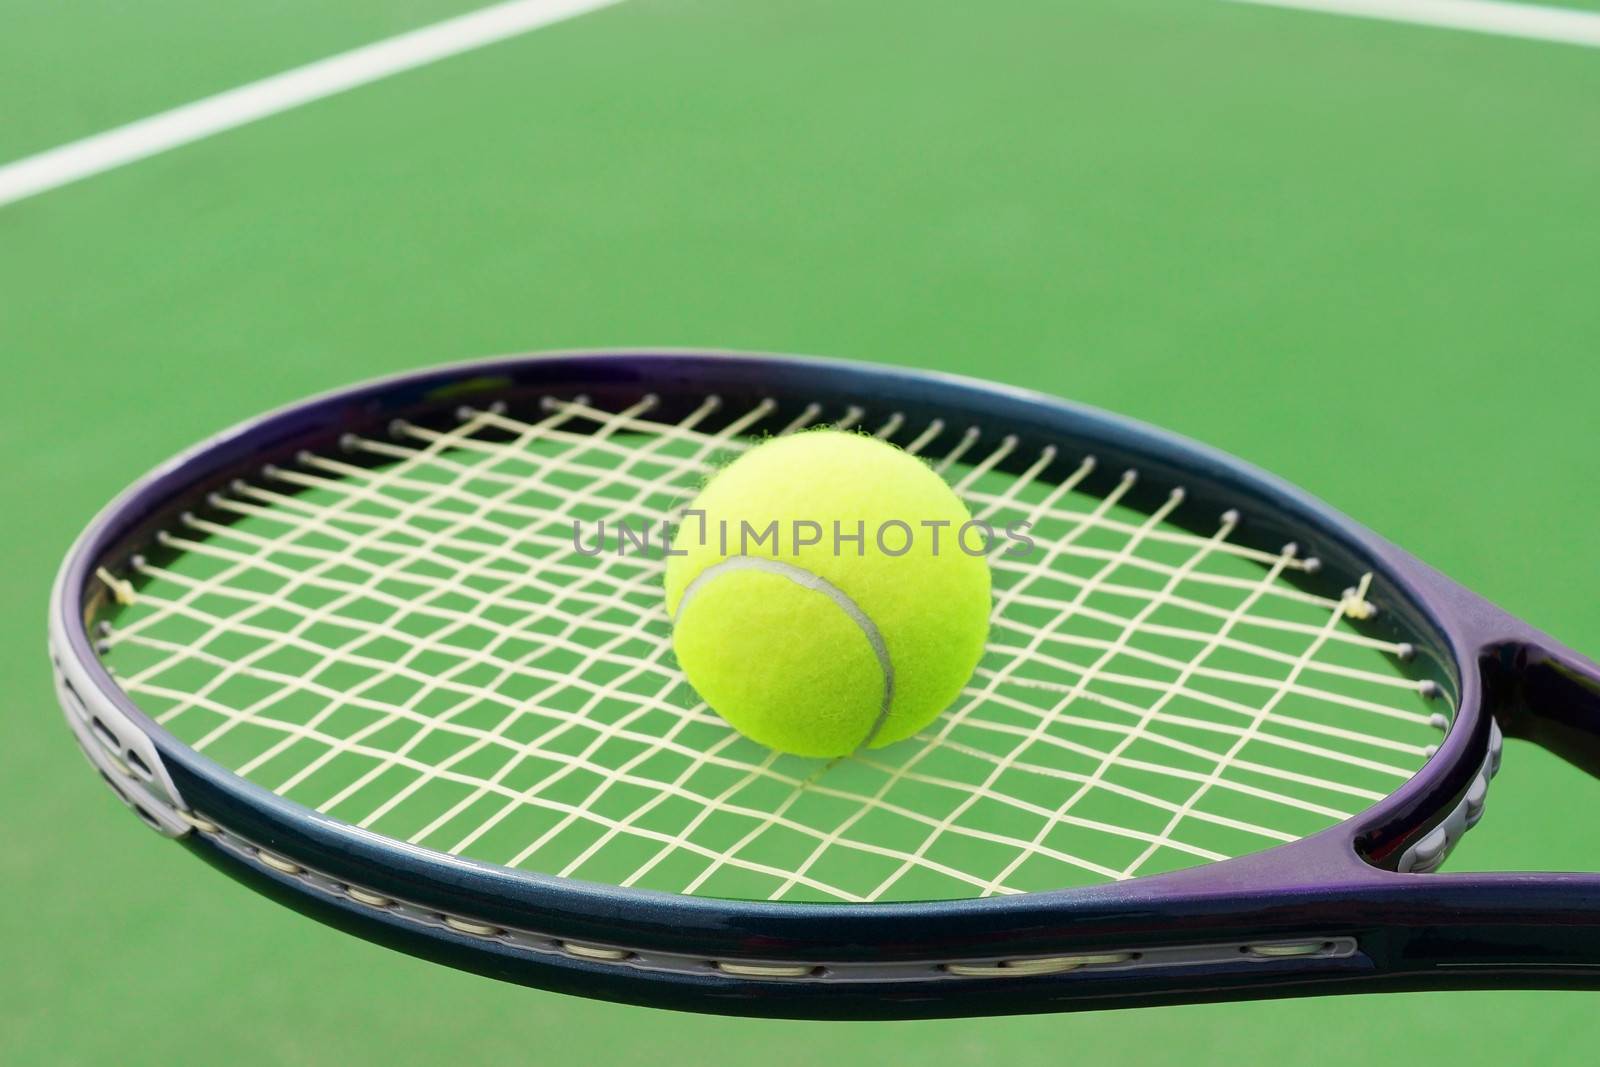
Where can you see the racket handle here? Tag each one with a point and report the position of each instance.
(1547, 694)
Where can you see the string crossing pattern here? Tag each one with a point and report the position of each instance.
(407, 635)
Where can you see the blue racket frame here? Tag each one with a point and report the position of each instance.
(1328, 913)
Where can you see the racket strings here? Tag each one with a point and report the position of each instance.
(428, 637)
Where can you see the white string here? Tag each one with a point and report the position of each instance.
(408, 637)
(1063, 614)
(1260, 716)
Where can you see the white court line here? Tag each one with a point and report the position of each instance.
(235, 107)
(1566, 25)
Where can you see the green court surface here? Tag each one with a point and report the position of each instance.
(1364, 255)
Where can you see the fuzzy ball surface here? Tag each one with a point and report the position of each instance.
(828, 592)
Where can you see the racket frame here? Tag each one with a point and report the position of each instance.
(1327, 913)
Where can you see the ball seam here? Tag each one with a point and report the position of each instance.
(809, 580)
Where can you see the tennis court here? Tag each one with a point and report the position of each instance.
(1361, 252)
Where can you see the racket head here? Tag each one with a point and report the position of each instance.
(919, 957)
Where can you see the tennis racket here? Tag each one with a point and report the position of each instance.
(355, 655)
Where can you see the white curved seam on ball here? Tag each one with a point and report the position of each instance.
(802, 577)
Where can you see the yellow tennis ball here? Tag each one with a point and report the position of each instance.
(828, 592)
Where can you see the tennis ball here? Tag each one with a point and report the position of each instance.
(828, 592)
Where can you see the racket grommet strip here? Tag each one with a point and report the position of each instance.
(1286, 949)
(368, 897)
(199, 822)
(122, 753)
(278, 863)
(765, 970)
(470, 926)
(778, 971)
(1430, 851)
(594, 952)
(1039, 966)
